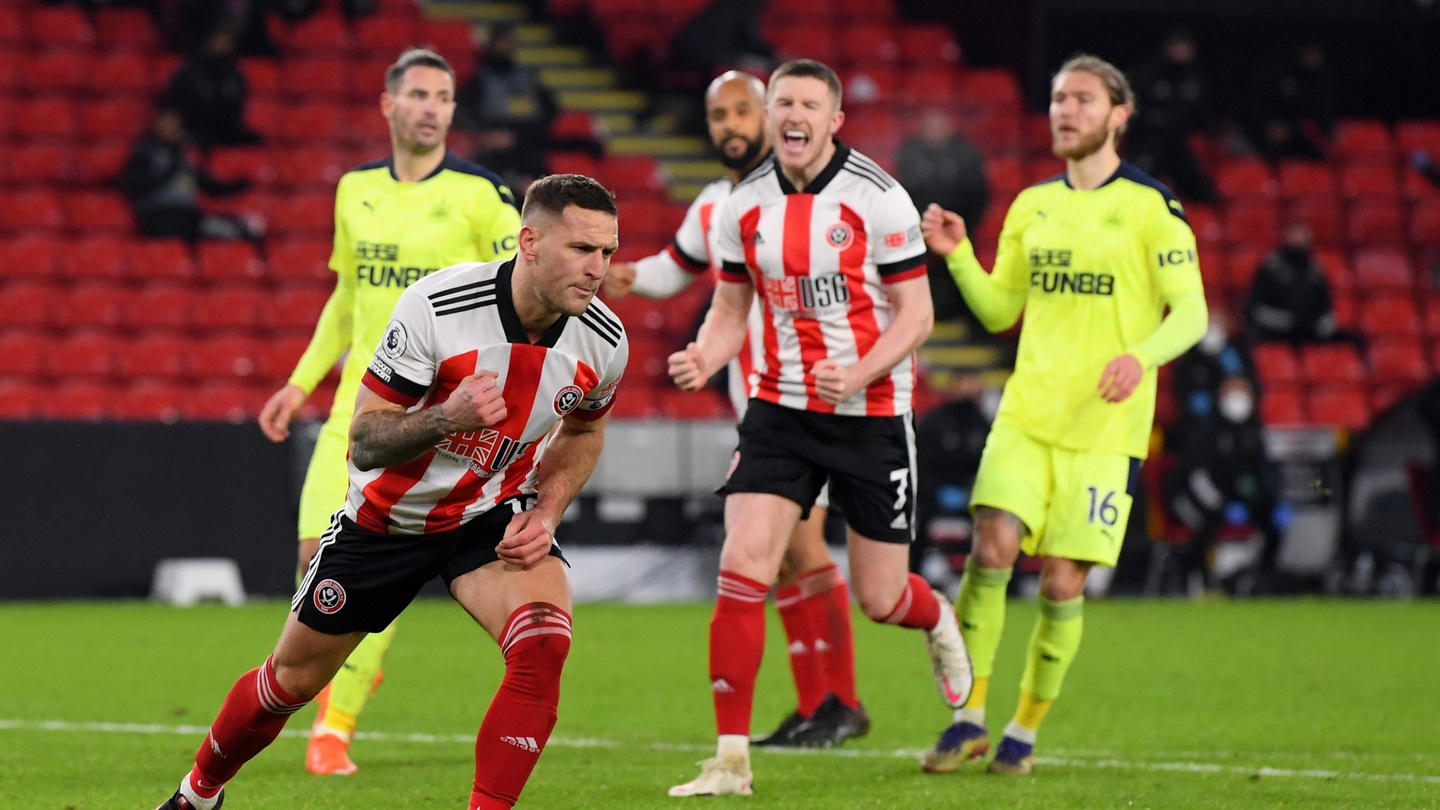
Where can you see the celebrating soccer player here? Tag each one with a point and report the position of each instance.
(396, 221)
(812, 596)
(1093, 257)
(831, 244)
(455, 472)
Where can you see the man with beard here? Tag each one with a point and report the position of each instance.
(1092, 257)
(811, 593)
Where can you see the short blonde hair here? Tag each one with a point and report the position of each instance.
(1116, 85)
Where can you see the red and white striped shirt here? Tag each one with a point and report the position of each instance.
(446, 327)
(820, 260)
(691, 253)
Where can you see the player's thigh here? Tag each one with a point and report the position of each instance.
(326, 479)
(758, 527)
(1094, 493)
(362, 580)
(306, 659)
(1015, 476)
(493, 592)
(872, 477)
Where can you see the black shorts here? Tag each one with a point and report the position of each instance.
(362, 580)
(869, 461)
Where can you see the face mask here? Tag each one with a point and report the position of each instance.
(1236, 406)
(1213, 341)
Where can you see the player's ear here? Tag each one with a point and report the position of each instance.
(387, 105)
(1119, 116)
(529, 237)
(838, 121)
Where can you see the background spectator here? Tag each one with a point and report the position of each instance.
(162, 185)
(209, 93)
(1289, 295)
(1173, 101)
(949, 439)
(724, 34)
(1292, 106)
(191, 22)
(510, 111)
(1200, 372)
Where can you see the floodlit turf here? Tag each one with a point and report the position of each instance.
(1281, 704)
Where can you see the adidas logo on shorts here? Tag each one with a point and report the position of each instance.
(523, 743)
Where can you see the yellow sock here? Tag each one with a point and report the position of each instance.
(977, 694)
(1031, 711)
(351, 687)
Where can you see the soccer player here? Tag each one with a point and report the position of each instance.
(1093, 257)
(811, 594)
(396, 221)
(832, 245)
(459, 470)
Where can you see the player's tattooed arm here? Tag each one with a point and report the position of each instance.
(383, 434)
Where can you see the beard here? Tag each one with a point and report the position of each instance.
(1089, 144)
(746, 159)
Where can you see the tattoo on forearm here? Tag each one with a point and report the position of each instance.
(391, 438)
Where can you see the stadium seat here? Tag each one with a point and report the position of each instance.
(12, 26)
(93, 304)
(60, 26)
(313, 77)
(928, 44)
(230, 306)
(632, 174)
(22, 351)
(87, 354)
(161, 259)
(221, 402)
(1383, 269)
(1376, 223)
(230, 261)
(1251, 221)
(1416, 186)
(1337, 271)
(79, 401)
(933, 86)
(110, 119)
(1432, 317)
(321, 33)
(1301, 179)
(163, 306)
(156, 353)
(865, 44)
(874, 84)
(309, 169)
(251, 163)
(57, 71)
(31, 210)
(262, 76)
(385, 33)
(810, 39)
(1419, 135)
(129, 28)
(150, 401)
(45, 163)
(303, 262)
(36, 257)
(1282, 407)
(98, 212)
(100, 165)
(1425, 224)
(306, 213)
(991, 87)
(99, 257)
(1276, 364)
(163, 67)
(1323, 215)
(1399, 360)
(18, 399)
(28, 303)
(125, 72)
(1342, 406)
(46, 118)
(316, 123)
(1390, 315)
(1245, 179)
(1367, 139)
(574, 126)
(10, 59)
(1366, 180)
(223, 356)
(452, 39)
(276, 357)
(1331, 363)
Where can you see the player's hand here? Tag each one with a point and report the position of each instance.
(1120, 378)
(476, 402)
(943, 230)
(833, 382)
(527, 540)
(619, 281)
(685, 368)
(279, 409)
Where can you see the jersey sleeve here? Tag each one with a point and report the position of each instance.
(729, 251)
(1011, 270)
(601, 398)
(690, 249)
(497, 225)
(342, 252)
(404, 365)
(897, 247)
(1172, 254)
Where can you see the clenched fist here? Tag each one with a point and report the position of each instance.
(619, 281)
(685, 368)
(527, 540)
(476, 402)
(833, 382)
(943, 230)
(1121, 376)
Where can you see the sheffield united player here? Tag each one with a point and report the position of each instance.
(811, 594)
(832, 246)
(458, 470)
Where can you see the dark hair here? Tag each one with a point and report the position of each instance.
(415, 57)
(553, 193)
(811, 69)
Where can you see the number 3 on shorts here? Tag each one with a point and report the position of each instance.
(1103, 508)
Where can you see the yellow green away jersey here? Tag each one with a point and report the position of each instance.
(1095, 267)
(390, 234)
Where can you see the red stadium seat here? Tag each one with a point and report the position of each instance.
(230, 307)
(46, 118)
(60, 26)
(277, 356)
(810, 39)
(1390, 315)
(230, 261)
(41, 164)
(928, 43)
(991, 87)
(385, 33)
(161, 259)
(1399, 360)
(1421, 135)
(317, 77)
(99, 257)
(94, 304)
(57, 71)
(930, 86)
(1276, 364)
(156, 353)
(31, 210)
(1252, 221)
(221, 402)
(80, 401)
(1425, 224)
(1342, 406)
(1359, 180)
(873, 84)
(1337, 271)
(315, 123)
(262, 76)
(100, 164)
(1304, 179)
(86, 354)
(1377, 223)
(10, 59)
(28, 303)
(112, 120)
(1325, 219)
(574, 126)
(263, 116)
(452, 39)
(865, 44)
(224, 356)
(1364, 140)
(127, 28)
(22, 351)
(122, 72)
(321, 33)
(1416, 186)
(302, 261)
(39, 257)
(150, 401)
(96, 212)
(1383, 269)
(249, 163)
(1282, 407)
(12, 26)
(309, 213)
(19, 399)
(1331, 363)
(164, 306)
(1246, 179)
(632, 174)
(312, 169)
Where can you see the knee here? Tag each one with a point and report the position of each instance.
(997, 538)
(535, 645)
(1062, 580)
(877, 603)
(302, 681)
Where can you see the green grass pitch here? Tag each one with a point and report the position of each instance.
(1258, 704)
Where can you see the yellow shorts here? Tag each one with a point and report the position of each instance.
(1075, 504)
(326, 479)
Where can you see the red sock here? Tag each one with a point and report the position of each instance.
(737, 641)
(801, 639)
(918, 608)
(827, 602)
(535, 642)
(251, 718)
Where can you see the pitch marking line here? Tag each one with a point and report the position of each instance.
(1072, 761)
